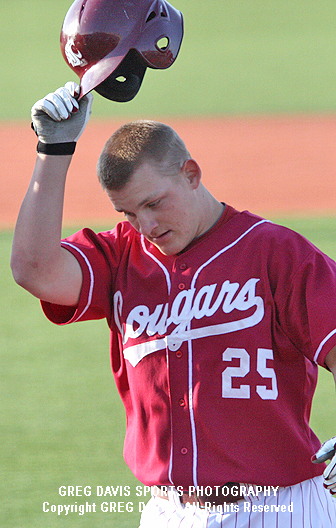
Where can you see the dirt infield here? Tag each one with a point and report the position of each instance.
(273, 165)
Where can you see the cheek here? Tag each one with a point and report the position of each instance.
(184, 228)
(176, 215)
(178, 210)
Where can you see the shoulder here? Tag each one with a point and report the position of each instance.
(121, 234)
(262, 232)
(105, 248)
(273, 245)
(268, 233)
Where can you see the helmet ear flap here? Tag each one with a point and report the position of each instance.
(124, 82)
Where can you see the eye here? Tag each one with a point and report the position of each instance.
(151, 205)
(129, 215)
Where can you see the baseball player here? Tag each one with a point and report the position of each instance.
(218, 318)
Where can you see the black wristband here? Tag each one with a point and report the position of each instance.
(56, 149)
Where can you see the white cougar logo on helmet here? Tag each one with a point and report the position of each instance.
(75, 58)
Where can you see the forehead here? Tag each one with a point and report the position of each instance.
(146, 184)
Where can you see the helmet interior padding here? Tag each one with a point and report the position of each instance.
(124, 82)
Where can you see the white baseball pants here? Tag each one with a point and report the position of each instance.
(304, 505)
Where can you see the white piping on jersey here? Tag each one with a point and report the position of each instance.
(333, 332)
(91, 278)
(191, 410)
(170, 469)
(190, 349)
(139, 351)
(223, 250)
(164, 269)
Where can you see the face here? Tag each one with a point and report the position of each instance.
(162, 208)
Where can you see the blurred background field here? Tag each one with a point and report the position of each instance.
(237, 57)
(62, 422)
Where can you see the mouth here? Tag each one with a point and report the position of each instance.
(161, 238)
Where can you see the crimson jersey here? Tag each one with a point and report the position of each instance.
(215, 350)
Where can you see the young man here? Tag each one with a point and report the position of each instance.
(219, 320)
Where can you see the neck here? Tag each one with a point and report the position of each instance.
(210, 210)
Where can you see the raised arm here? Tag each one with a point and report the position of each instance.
(39, 264)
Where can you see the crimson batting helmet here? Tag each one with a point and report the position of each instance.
(110, 43)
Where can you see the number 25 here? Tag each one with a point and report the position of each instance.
(244, 391)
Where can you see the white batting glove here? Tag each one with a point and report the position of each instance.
(328, 452)
(59, 117)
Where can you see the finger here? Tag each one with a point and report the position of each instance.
(73, 88)
(47, 106)
(318, 458)
(326, 451)
(55, 106)
(330, 471)
(330, 487)
(67, 103)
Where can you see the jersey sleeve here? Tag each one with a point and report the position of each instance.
(98, 256)
(308, 314)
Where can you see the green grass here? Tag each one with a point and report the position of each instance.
(62, 421)
(237, 57)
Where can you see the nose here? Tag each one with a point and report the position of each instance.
(147, 223)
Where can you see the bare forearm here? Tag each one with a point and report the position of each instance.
(39, 263)
(38, 231)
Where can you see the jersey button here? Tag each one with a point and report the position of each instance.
(184, 450)
(179, 354)
(181, 286)
(183, 266)
(182, 402)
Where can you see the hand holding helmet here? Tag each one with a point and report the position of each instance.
(113, 43)
(59, 119)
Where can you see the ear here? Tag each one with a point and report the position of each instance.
(192, 171)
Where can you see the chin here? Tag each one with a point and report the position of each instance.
(172, 246)
(172, 250)
(166, 251)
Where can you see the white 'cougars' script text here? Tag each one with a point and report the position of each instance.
(142, 324)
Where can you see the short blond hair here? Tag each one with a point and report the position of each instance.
(135, 143)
